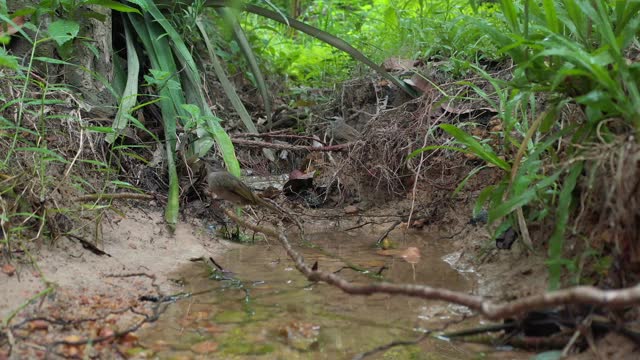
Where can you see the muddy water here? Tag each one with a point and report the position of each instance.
(270, 311)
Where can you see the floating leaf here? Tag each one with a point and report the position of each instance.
(411, 255)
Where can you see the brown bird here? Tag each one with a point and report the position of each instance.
(228, 187)
(342, 132)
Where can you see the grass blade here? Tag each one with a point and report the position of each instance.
(556, 241)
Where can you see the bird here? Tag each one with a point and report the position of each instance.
(342, 132)
(228, 187)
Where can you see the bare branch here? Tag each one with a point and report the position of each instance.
(585, 295)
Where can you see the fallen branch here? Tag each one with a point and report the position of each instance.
(584, 295)
(263, 144)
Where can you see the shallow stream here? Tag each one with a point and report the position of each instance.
(270, 311)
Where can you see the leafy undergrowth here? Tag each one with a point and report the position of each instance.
(542, 138)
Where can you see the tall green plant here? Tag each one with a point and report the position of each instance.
(574, 52)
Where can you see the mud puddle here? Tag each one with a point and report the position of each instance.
(267, 310)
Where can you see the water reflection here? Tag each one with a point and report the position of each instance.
(286, 317)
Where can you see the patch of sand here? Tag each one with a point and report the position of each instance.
(137, 243)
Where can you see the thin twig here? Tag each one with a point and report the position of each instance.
(386, 233)
(585, 295)
(262, 144)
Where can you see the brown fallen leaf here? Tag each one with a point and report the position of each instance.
(411, 255)
(38, 325)
(106, 332)
(420, 82)
(72, 350)
(129, 338)
(10, 30)
(204, 347)
(8, 269)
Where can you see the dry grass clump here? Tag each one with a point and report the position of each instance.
(611, 200)
(379, 163)
(49, 156)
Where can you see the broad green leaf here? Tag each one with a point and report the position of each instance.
(549, 355)
(331, 40)
(204, 143)
(63, 30)
(475, 147)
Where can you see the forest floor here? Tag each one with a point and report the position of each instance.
(73, 298)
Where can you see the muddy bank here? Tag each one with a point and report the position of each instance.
(69, 285)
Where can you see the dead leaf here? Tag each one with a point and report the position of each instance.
(8, 269)
(419, 82)
(494, 122)
(419, 223)
(351, 209)
(298, 181)
(129, 338)
(72, 338)
(38, 325)
(411, 255)
(18, 20)
(72, 350)
(106, 332)
(204, 347)
(297, 174)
